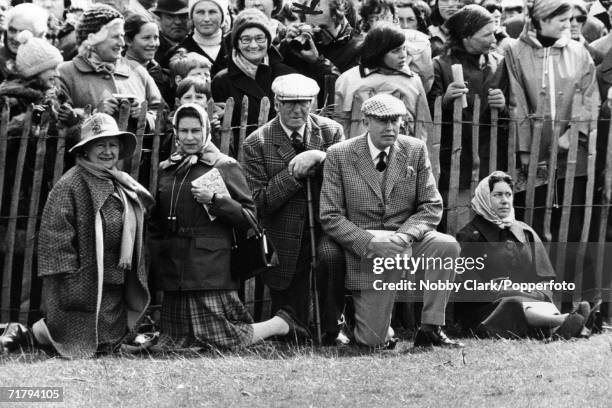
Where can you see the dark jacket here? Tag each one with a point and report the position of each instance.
(195, 253)
(479, 80)
(232, 82)
(191, 46)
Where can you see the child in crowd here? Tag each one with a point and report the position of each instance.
(184, 64)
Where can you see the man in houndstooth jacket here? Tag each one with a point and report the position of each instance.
(278, 158)
(379, 199)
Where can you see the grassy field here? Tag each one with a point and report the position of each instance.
(489, 373)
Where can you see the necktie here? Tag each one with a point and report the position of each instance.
(297, 142)
(381, 165)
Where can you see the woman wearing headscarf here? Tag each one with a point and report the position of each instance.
(192, 231)
(98, 75)
(545, 63)
(442, 11)
(251, 69)
(90, 250)
(383, 68)
(507, 251)
(471, 38)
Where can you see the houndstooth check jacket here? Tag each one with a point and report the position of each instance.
(352, 200)
(280, 198)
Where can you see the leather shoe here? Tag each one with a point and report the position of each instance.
(16, 336)
(297, 331)
(436, 338)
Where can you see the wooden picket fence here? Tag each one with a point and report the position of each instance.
(19, 297)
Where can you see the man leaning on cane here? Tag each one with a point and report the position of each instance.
(278, 159)
(379, 199)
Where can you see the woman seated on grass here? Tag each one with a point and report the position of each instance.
(510, 250)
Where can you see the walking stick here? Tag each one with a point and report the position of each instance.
(313, 261)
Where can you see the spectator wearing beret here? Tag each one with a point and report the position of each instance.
(278, 159)
(99, 73)
(252, 67)
(210, 20)
(379, 199)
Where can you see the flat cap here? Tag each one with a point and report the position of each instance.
(383, 106)
(295, 87)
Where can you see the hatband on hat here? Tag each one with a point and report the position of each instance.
(35, 55)
(100, 125)
(384, 106)
(295, 87)
(93, 19)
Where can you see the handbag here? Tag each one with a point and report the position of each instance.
(252, 251)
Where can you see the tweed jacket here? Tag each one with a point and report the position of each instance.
(67, 264)
(353, 200)
(279, 197)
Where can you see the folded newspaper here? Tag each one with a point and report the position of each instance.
(213, 181)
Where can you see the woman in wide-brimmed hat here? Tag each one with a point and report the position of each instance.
(90, 250)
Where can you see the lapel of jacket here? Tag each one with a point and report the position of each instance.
(281, 141)
(365, 165)
(396, 169)
(314, 140)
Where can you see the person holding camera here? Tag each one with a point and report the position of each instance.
(100, 77)
(252, 67)
(325, 45)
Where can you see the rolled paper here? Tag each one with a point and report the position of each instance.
(457, 71)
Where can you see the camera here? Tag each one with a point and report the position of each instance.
(302, 41)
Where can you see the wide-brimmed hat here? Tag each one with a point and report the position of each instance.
(101, 125)
(171, 7)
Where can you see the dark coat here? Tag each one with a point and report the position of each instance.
(479, 81)
(280, 198)
(67, 264)
(191, 46)
(196, 254)
(232, 82)
(516, 253)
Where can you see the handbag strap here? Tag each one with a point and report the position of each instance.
(250, 218)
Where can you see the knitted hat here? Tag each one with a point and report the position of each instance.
(35, 55)
(544, 8)
(222, 4)
(249, 18)
(468, 21)
(93, 19)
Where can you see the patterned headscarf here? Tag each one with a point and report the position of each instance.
(481, 204)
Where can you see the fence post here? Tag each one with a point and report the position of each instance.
(12, 222)
(436, 138)
(493, 140)
(453, 190)
(4, 122)
(355, 121)
(512, 144)
(475, 145)
(30, 235)
(550, 190)
(160, 127)
(140, 129)
(244, 118)
(226, 127)
(536, 138)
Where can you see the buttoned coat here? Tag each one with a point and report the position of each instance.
(279, 197)
(353, 200)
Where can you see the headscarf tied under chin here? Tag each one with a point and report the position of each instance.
(208, 153)
(544, 8)
(481, 204)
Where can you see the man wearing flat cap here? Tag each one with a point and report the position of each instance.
(278, 159)
(173, 16)
(378, 200)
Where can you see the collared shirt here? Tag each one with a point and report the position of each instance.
(375, 151)
(289, 132)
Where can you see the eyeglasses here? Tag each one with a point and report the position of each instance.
(293, 104)
(579, 19)
(246, 40)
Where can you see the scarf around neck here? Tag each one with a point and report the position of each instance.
(247, 67)
(211, 45)
(100, 66)
(135, 198)
(481, 204)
